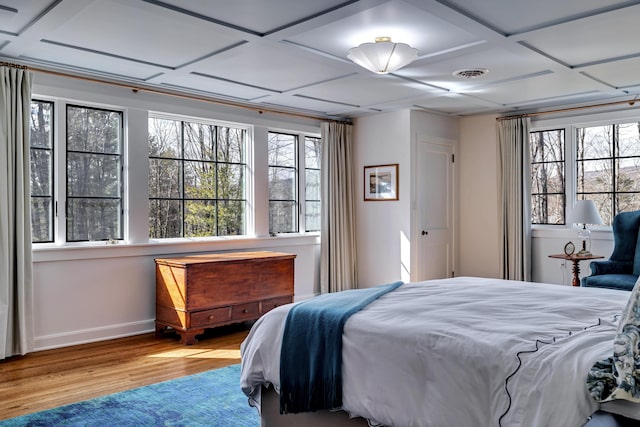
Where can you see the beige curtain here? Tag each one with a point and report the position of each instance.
(338, 243)
(514, 174)
(16, 326)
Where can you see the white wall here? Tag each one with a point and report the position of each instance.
(384, 228)
(382, 139)
(89, 292)
(478, 197)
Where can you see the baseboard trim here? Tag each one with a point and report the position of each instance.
(84, 336)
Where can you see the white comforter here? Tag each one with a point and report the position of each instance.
(462, 352)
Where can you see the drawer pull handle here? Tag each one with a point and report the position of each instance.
(245, 311)
(210, 317)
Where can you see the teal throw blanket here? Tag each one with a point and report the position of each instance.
(311, 354)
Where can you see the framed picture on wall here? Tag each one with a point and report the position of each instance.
(381, 182)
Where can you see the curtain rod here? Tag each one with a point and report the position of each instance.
(562, 110)
(137, 89)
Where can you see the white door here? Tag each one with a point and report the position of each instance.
(434, 212)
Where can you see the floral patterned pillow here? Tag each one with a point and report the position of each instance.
(618, 377)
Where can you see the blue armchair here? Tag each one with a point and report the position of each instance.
(622, 269)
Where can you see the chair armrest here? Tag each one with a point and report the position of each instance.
(611, 267)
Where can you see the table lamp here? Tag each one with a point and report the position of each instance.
(585, 212)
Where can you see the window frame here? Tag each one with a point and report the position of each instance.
(247, 158)
(121, 176)
(51, 172)
(570, 125)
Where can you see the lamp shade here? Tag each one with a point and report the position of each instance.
(585, 212)
(383, 56)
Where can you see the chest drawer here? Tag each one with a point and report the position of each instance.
(270, 304)
(245, 311)
(210, 317)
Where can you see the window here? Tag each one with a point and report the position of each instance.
(547, 177)
(197, 174)
(312, 161)
(608, 167)
(94, 174)
(283, 183)
(41, 148)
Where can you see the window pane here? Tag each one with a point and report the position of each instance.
(604, 204)
(92, 130)
(231, 145)
(231, 218)
(547, 209)
(595, 176)
(199, 141)
(547, 146)
(41, 176)
(627, 202)
(165, 138)
(165, 178)
(312, 153)
(40, 126)
(628, 139)
(200, 218)
(282, 149)
(41, 214)
(594, 142)
(283, 217)
(93, 175)
(231, 181)
(165, 219)
(547, 178)
(312, 184)
(312, 217)
(282, 183)
(93, 219)
(627, 174)
(199, 180)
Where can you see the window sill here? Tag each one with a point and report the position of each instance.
(44, 252)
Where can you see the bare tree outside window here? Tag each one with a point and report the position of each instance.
(283, 183)
(608, 167)
(196, 179)
(547, 177)
(312, 156)
(94, 174)
(41, 149)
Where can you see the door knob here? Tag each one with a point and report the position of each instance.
(424, 233)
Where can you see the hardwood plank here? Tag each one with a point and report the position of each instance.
(51, 378)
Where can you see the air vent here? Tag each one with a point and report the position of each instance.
(471, 73)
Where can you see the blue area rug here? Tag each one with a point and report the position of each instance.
(211, 398)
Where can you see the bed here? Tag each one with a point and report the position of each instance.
(456, 352)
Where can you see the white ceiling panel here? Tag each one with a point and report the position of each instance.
(547, 87)
(616, 73)
(289, 67)
(17, 14)
(92, 62)
(293, 53)
(597, 38)
(366, 90)
(401, 21)
(212, 86)
(142, 31)
(262, 16)
(523, 15)
(502, 64)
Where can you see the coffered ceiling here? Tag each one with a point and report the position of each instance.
(291, 55)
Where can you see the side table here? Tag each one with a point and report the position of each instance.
(575, 259)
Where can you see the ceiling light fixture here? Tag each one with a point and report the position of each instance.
(470, 73)
(383, 56)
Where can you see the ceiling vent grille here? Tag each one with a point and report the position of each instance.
(471, 73)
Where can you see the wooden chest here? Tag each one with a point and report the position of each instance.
(204, 291)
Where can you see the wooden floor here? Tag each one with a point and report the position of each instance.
(51, 378)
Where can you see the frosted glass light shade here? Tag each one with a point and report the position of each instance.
(383, 56)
